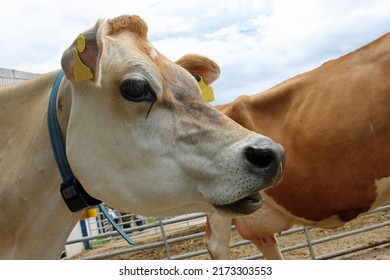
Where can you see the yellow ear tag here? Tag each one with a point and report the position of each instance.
(207, 91)
(80, 43)
(81, 71)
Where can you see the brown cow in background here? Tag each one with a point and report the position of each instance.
(334, 123)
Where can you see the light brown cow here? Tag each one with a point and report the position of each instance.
(138, 137)
(334, 123)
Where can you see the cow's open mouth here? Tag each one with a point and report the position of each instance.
(244, 206)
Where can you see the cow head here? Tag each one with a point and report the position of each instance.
(140, 138)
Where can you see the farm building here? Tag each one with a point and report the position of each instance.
(8, 76)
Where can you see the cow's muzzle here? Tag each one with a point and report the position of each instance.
(266, 160)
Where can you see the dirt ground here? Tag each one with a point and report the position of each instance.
(377, 253)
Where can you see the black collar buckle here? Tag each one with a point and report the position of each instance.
(75, 196)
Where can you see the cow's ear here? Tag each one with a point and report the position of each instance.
(199, 65)
(80, 61)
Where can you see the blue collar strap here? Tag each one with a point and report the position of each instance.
(73, 193)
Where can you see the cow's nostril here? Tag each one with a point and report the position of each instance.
(260, 157)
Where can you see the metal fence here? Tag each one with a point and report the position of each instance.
(162, 228)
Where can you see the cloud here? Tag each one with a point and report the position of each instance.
(298, 36)
(256, 43)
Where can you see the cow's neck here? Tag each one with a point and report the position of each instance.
(260, 112)
(35, 222)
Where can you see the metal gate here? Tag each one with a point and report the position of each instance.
(161, 229)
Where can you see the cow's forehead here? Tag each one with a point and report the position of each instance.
(137, 54)
(134, 24)
(137, 27)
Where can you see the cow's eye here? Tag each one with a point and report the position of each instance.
(137, 90)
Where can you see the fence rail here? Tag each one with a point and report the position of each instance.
(162, 227)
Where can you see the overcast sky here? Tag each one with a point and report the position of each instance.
(257, 43)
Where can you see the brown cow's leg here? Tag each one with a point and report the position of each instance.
(217, 236)
(269, 247)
